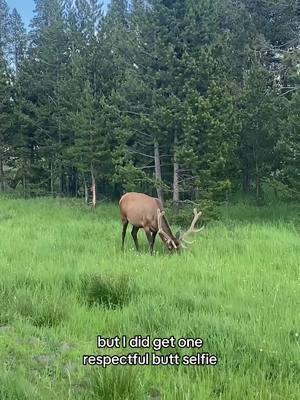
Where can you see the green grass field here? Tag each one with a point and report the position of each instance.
(64, 281)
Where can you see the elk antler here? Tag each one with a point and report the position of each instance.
(192, 227)
(160, 229)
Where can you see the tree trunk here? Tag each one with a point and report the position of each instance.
(24, 185)
(60, 163)
(94, 201)
(258, 189)
(60, 178)
(86, 192)
(76, 185)
(51, 179)
(257, 185)
(176, 197)
(246, 182)
(158, 171)
(68, 184)
(1, 176)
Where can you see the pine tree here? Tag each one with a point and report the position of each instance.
(90, 150)
(46, 64)
(5, 117)
(285, 176)
(18, 40)
(259, 134)
(4, 28)
(188, 100)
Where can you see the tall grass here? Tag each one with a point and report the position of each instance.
(64, 281)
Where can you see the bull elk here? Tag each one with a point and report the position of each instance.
(143, 211)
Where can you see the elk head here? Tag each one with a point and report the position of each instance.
(180, 241)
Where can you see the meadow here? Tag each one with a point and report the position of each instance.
(64, 280)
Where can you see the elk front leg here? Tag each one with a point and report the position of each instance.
(152, 242)
(151, 239)
(125, 224)
(134, 236)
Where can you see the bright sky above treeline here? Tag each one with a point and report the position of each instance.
(26, 7)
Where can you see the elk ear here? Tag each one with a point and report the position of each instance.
(177, 235)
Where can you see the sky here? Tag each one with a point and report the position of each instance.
(25, 8)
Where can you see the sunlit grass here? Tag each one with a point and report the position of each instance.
(64, 281)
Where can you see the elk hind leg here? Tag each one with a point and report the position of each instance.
(125, 224)
(134, 236)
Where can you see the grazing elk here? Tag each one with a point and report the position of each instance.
(143, 211)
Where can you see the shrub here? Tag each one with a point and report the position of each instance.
(115, 383)
(106, 290)
(185, 213)
(40, 308)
